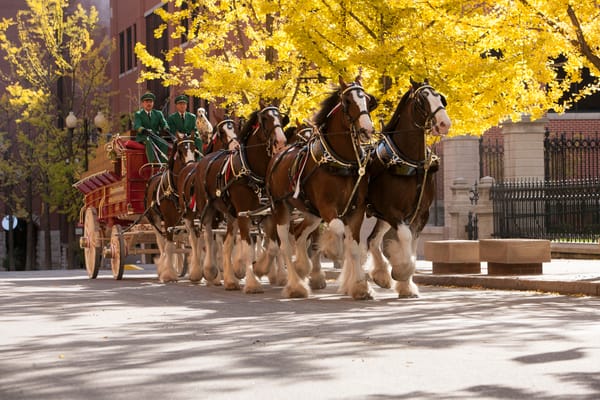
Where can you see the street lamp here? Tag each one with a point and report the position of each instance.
(71, 122)
(99, 122)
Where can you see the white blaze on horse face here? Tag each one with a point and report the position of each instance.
(364, 122)
(441, 119)
(280, 140)
(232, 141)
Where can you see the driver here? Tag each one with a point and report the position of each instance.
(148, 123)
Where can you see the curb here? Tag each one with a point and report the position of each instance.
(513, 283)
(501, 283)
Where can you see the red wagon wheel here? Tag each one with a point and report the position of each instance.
(118, 252)
(90, 242)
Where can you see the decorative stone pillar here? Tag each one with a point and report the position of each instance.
(460, 159)
(524, 148)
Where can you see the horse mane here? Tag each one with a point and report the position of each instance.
(248, 126)
(393, 122)
(326, 106)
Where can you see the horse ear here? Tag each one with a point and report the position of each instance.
(412, 82)
(261, 103)
(342, 82)
(358, 79)
(426, 81)
(285, 120)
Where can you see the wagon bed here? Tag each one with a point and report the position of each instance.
(113, 212)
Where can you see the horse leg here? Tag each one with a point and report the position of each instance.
(267, 255)
(295, 286)
(230, 281)
(195, 273)
(317, 276)
(402, 257)
(168, 273)
(380, 272)
(353, 278)
(246, 257)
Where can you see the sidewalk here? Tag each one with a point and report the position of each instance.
(562, 276)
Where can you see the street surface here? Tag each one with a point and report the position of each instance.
(63, 336)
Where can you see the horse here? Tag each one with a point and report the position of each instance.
(161, 204)
(232, 182)
(223, 138)
(401, 184)
(325, 181)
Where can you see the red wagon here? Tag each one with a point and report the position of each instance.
(112, 216)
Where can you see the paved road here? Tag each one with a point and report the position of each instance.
(63, 336)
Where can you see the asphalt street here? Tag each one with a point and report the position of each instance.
(63, 336)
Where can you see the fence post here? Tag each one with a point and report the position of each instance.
(485, 208)
(524, 148)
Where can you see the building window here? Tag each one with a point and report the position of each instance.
(127, 58)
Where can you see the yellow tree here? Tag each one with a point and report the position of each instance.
(54, 52)
(493, 59)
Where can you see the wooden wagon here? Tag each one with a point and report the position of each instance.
(112, 216)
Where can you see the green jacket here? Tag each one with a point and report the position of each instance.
(186, 125)
(156, 122)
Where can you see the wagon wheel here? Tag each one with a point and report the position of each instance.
(117, 247)
(90, 242)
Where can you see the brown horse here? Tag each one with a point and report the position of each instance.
(224, 138)
(232, 182)
(161, 203)
(325, 180)
(401, 184)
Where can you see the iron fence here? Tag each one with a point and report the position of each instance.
(566, 210)
(571, 156)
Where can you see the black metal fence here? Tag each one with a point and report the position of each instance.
(571, 156)
(563, 207)
(556, 210)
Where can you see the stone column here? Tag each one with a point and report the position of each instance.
(524, 148)
(460, 159)
(458, 208)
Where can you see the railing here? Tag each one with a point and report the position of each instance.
(555, 210)
(571, 156)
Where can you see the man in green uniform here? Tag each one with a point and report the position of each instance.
(149, 123)
(183, 121)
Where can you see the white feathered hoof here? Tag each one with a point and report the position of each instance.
(407, 289)
(361, 291)
(296, 292)
(253, 289)
(232, 285)
(168, 275)
(196, 275)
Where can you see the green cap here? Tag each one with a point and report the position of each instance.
(148, 96)
(182, 98)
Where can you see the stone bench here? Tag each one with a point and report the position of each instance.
(514, 256)
(453, 256)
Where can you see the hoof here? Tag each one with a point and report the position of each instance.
(232, 286)
(407, 289)
(361, 291)
(253, 290)
(210, 274)
(195, 276)
(295, 293)
(408, 296)
(318, 282)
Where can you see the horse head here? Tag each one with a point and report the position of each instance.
(357, 105)
(224, 136)
(429, 109)
(269, 127)
(183, 152)
(300, 133)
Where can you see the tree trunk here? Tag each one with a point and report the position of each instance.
(47, 239)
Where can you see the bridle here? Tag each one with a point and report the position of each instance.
(218, 133)
(270, 133)
(418, 107)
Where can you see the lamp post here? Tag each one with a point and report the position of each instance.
(99, 123)
(71, 122)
